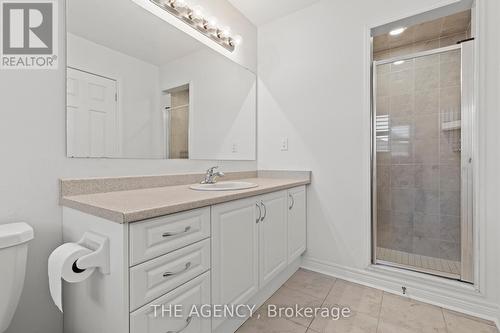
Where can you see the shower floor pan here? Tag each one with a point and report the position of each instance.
(419, 263)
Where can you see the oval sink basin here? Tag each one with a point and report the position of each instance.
(223, 186)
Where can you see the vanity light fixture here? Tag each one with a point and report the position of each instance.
(399, 62)
(194, 17)
(397, 31)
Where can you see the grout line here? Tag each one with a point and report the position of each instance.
(444, 319)
(322, 304)
(304, 294)
(380, 311)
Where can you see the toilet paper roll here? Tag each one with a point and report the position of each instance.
(61, 267)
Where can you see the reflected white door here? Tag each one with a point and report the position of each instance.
(91, 115)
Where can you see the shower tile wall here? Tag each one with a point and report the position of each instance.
(418, 158)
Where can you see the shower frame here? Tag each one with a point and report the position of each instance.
(467, 245)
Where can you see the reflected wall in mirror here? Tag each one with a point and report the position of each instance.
(139, 88)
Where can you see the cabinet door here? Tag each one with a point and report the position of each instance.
(273, 236)
(235, 251)
(297, 217)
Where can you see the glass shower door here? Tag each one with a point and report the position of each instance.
(422, 162)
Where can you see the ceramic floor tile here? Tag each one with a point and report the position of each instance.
(358, 298)
(288, 298)
(458, 323)
(402, 315)
(356, 323)
(311, 283)
(270, 325)
(373, 311)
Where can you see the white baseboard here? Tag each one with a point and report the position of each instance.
(448, 294)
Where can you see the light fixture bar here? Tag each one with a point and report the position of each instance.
(194, 18)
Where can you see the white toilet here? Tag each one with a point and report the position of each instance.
(14, 240)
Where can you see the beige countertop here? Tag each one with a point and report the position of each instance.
(140, 204)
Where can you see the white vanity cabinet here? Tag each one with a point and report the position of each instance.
(237, 252)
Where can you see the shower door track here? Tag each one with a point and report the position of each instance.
(467, 269)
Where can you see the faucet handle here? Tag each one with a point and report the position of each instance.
(212, 169)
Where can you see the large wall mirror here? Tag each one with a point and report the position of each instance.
(138, 87)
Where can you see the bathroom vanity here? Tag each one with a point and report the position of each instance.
(152, 98)
(172, 245)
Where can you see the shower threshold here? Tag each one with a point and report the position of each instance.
(415, 262)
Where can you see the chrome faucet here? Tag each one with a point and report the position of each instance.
(211, 176)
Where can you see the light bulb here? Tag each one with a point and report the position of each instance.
(397, 31)
(211, 23)
(196, 13)
(236, 40)
(179, 4)
(224, 32)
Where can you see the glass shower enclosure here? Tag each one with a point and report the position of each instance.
(422, 159)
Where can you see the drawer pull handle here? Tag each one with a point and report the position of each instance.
(188, 321)
(293, 202)
(167, 274)
(170, 234)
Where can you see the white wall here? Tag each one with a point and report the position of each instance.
(32, 150)
(312, 89)
(223, 98)
(138, 90)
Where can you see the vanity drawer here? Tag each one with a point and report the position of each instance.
(156, 277)
(195, 292)
(155, 237)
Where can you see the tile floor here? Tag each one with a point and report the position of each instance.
(372, 311)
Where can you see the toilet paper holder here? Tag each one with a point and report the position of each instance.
(99, 258)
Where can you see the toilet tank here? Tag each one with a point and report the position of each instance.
(14, 238)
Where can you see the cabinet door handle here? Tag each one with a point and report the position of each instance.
(168, 274)
(188, 321)
(260, 213)
(170, 234)
(293, 202)
(265, 211)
